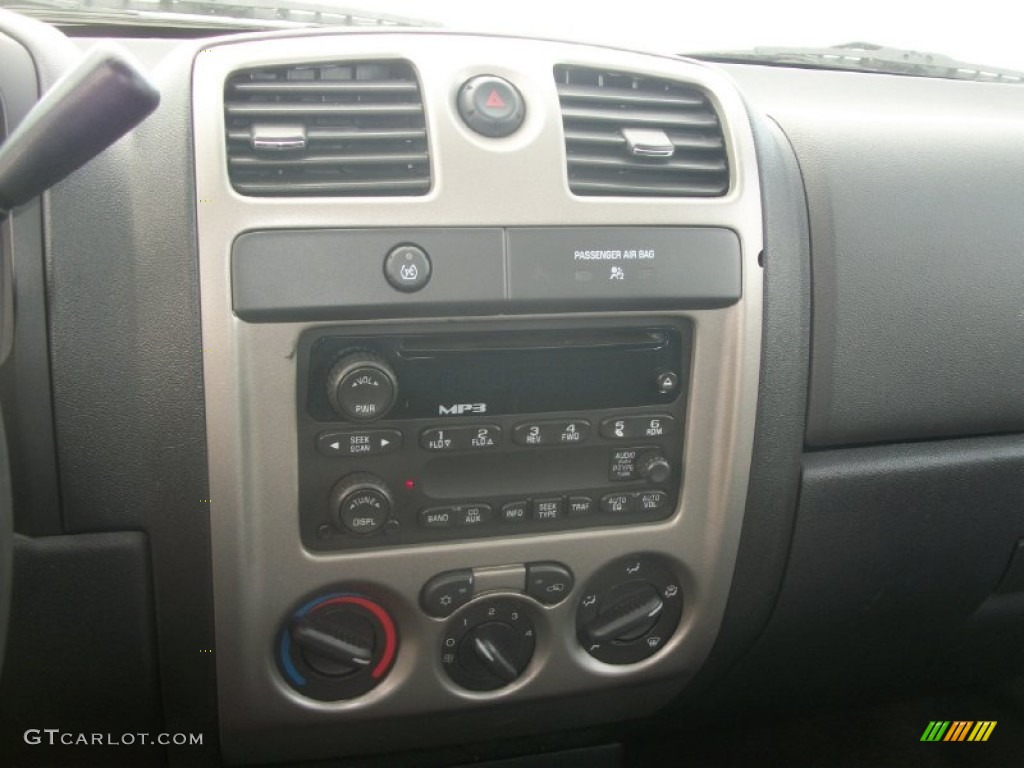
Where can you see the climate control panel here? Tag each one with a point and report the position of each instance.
(425, 437)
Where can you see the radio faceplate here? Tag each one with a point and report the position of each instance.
(406, 438)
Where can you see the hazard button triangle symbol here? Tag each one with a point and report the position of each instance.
(494, 101)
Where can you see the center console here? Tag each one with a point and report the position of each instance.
(479, 428)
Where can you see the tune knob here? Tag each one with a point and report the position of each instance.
(361, 386)
(361, 503)
(337, 646)
(653, 466)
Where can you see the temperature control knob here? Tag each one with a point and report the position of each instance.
(336, 647)
(489, 644)
(361, 386)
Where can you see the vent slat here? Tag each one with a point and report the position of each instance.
(351, 129)
(281, 161)
(652, 189)
(317, 110)
(646, 118)
(630, 97)
(612, 119)
(314, 134)
(325, 87)
(694, 142)
(376, 187)
(674, 165)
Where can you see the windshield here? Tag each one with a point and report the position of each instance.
(986, 34)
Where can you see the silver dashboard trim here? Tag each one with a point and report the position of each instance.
(261, 569)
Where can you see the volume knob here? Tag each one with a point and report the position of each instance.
(361, 386)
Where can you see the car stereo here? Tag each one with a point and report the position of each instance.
(437, 435)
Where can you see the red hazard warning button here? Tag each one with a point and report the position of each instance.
(491, 105)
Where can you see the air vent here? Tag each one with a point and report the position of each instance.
(640, 136)
(353, 129)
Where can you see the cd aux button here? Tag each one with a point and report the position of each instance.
(467, 515)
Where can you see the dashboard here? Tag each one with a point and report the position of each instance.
(401, 390)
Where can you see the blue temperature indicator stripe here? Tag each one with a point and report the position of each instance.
(286, 639)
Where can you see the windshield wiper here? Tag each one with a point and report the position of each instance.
(866, 57)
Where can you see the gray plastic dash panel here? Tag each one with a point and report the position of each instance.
(339, 273)
(683, 266)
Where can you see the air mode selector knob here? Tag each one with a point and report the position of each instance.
(361, 386)
(361, 503)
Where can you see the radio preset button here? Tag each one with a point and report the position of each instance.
(478, 437)
(634, 427)
(548, 509)
(580, 505)
(618, 503)
(552, 432)
(367, 442)
(472, 514)
(437, 517)
(515, 511)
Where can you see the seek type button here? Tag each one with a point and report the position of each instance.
(547, 509)
(552, 433)
(366, 442)
(634, 427)
(478, 437)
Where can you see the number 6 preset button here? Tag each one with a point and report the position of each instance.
(465, 437)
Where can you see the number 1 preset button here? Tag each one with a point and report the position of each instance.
(465, 437)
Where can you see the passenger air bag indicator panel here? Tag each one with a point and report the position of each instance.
(530, 430)
(567, 266)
